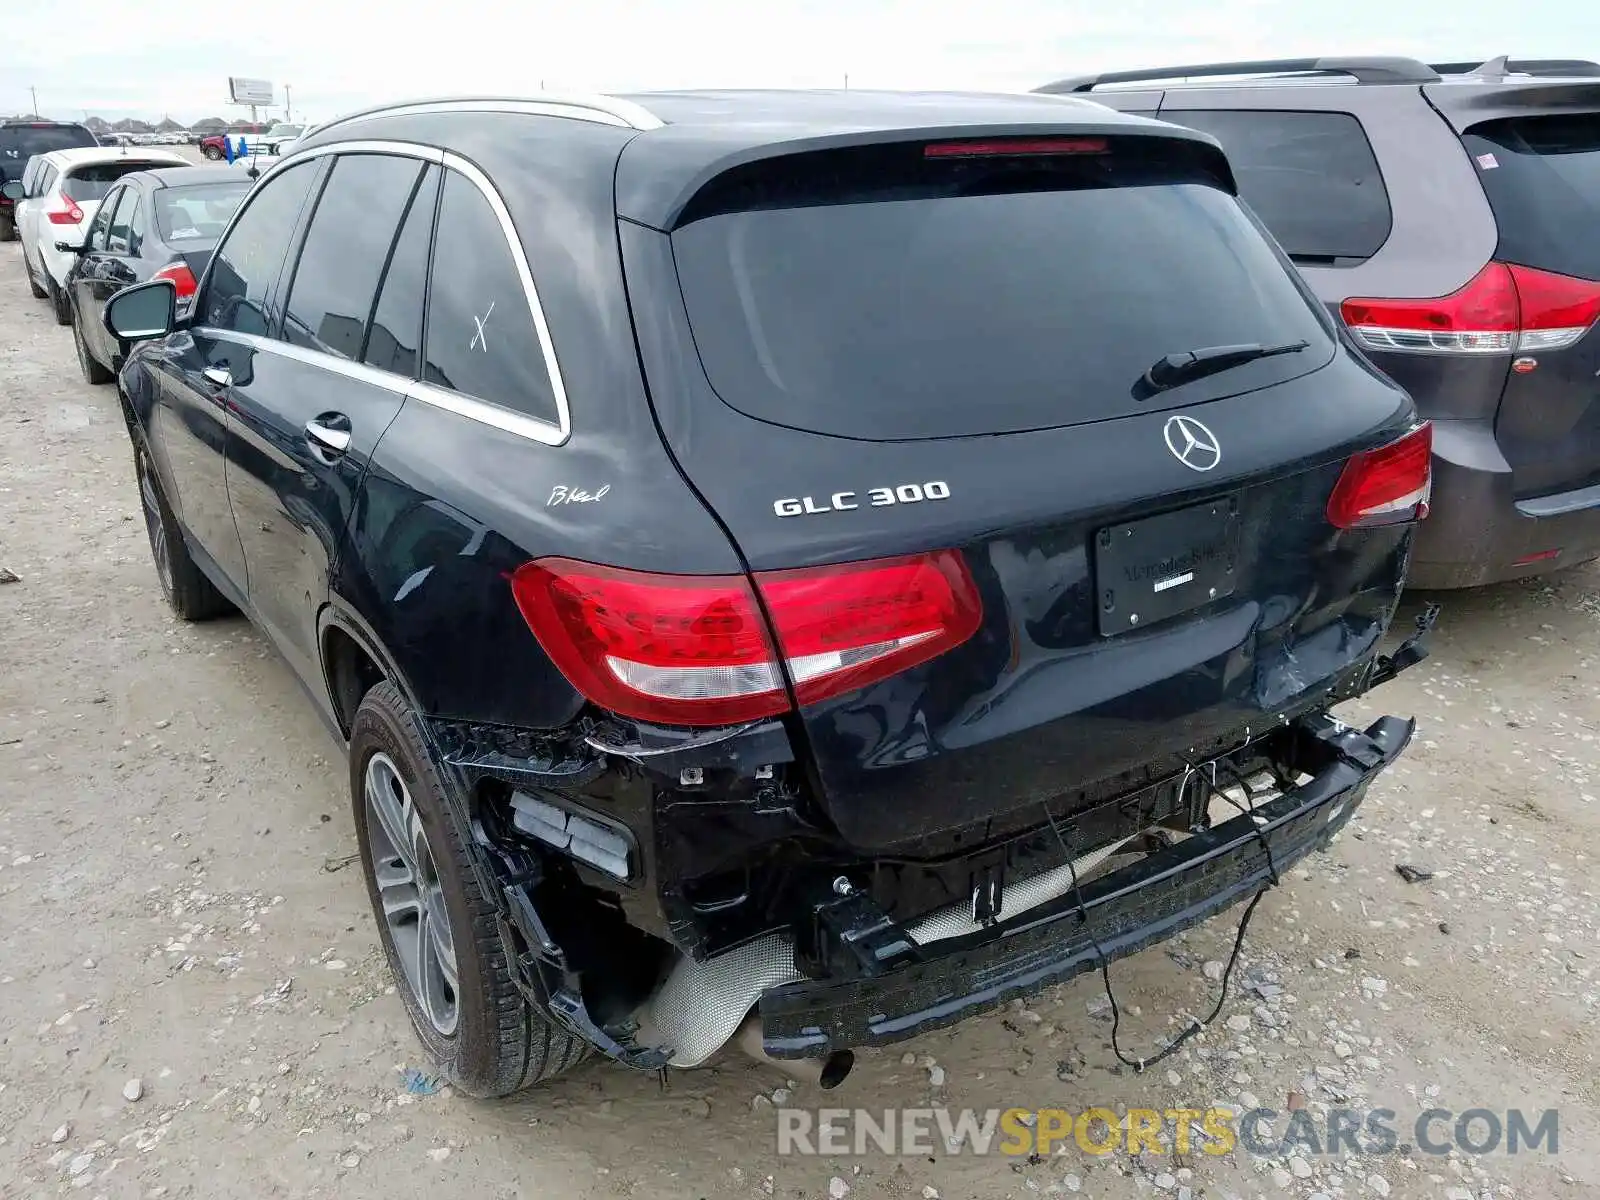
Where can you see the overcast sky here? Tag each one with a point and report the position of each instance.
(118, 58)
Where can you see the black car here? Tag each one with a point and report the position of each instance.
(160, 224)
(1446, 214)
(20, 141)
(820, 562)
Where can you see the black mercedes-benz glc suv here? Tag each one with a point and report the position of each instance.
(814, 563)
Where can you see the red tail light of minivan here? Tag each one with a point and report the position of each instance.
(1386, 486)
(696, 649)
(1503, 309)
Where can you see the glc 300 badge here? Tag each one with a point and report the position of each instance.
(878, 497)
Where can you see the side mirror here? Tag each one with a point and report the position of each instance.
(71, 248)
(146, 310)
(12, 189)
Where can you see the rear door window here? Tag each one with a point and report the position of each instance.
(1310, 176)
(877, 294)
(1542, 177)
(345, 250)
(481, 339)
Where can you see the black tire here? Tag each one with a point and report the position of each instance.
(8, 230)
(93, 369)
(499, 1043)
(58, 301)
(212, 153)
(33, 284)
(189, 593)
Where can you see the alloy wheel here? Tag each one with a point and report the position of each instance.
(411, 897)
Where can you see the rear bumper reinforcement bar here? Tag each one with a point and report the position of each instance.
(1123, 912)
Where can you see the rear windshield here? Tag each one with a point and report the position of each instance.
(19, 143)
(200, 211)
(94, 181)
(920, 298)
(1542, 177)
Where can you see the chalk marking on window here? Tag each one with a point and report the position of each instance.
(480, 336)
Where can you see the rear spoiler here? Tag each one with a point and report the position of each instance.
(660, 172)
(1469, 101)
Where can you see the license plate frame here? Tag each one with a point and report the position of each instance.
(1156, 568)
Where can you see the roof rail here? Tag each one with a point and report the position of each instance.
(1364, 69)
(604, 110)
(1499, 68)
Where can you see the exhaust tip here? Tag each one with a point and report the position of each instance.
(827, 1073)
(834, 1069)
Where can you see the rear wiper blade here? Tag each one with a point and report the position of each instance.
(1173, 369)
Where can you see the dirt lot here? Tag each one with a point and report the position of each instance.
(178, 906)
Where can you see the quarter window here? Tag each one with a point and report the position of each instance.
(247, 262)
(481, 338)
(1310, 176)
(345, 250)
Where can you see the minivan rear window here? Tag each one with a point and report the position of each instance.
(981, 295)
(1542, 177)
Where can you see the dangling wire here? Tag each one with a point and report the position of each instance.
(1195, 1025)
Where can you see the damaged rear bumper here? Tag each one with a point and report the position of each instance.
(1121, 913)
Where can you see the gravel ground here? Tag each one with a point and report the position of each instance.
(181, 923)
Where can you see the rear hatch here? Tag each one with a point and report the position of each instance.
(1536, 147)
(932, 361)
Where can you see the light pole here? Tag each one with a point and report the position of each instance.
(34, 92)
(288, 112)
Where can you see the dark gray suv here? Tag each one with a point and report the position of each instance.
(1450, 215)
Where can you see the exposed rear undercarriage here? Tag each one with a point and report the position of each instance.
(661, 913)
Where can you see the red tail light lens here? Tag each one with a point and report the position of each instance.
(1557, 310)
(1386, 486)
(695, 650)
(183, 278)
(70, 214)
(1010, 147)
(841, 628)
(1503, 309)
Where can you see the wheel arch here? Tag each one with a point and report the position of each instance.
(354, 660)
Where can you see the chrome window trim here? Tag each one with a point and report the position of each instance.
(534, 428)
(600, 109)
(399, 385)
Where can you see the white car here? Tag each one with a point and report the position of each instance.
(62, 193)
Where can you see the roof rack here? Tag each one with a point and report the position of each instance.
(1363, 69)
(605, 110)
(1499, 68)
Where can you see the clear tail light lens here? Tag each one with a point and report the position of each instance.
(1503, 309)
(696, 650)
(1386, 486)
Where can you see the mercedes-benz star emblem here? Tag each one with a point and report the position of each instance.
(1191, 443)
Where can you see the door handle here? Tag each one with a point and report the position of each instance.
(220, 376)
(326, 437)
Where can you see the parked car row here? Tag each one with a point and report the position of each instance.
(92, 221)
(798, 569)
(1446, 214)
(20, 141)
